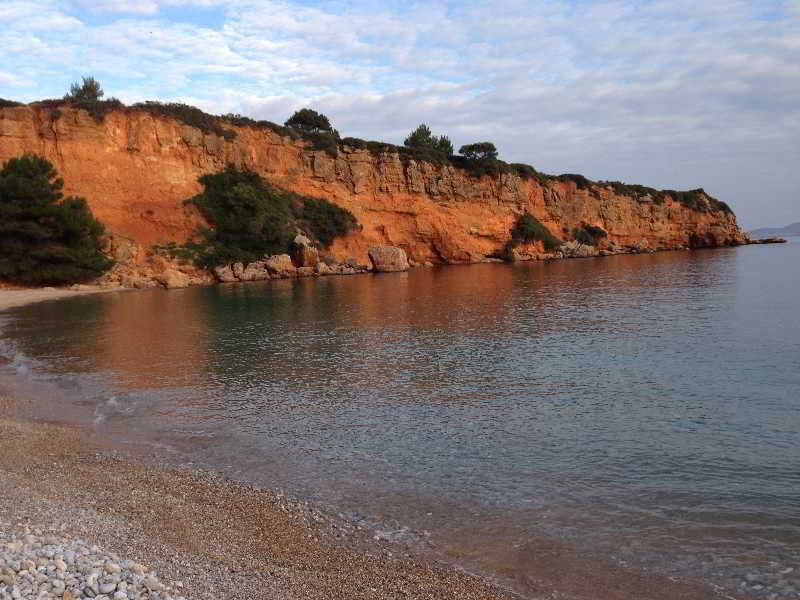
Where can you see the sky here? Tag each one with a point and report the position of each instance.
(675, 94)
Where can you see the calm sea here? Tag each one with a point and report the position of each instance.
(646, 408)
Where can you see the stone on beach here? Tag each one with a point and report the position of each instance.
(387, 259)
(49, 567)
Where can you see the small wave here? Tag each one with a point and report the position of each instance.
(111, 407)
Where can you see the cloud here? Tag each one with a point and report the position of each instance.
(672, 93)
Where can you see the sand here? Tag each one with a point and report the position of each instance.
(13, 297)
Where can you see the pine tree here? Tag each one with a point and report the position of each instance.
(45, 240)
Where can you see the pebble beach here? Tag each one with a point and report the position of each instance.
(78, 521)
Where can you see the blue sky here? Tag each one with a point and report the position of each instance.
(668, 93)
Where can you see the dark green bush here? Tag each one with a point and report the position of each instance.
(583, 236)
(528, 172)
(89, 90)
(529, 229)
(479, 168)
(354, 143)
(589, 234)
(9, 103)
(98, 108)
(249, 218)
(579, 180)
(594, 231)
(189, 115)
(45, 240)
(323, 220)
(423, 139)
(480, 151)
(308, 120)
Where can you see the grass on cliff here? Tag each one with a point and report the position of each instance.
(332, 144)
(250, 218)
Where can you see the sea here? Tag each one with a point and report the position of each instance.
(640, 409)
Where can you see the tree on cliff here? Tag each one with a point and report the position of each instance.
(479, 152)
(90, 90)
(307, 120)
(45, 240)
(249, 219)
(422, 137)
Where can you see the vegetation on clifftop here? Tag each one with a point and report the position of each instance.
(250, 218)
(478, 159)
(46, 239)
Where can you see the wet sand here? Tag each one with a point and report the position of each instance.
(11, 297)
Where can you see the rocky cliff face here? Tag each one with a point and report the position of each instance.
(136, 170)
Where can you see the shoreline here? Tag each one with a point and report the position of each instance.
(68, 479)
(217, 537)
(15, 297)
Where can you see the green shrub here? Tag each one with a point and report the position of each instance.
(353, 143)
(594, 231)
(45, 240)
(89, 90)
(529, 229)
(249, 219)
(9, 103)
(189, 115)
(422, 138)
(324, 220)
(480, 152)
(579, 180)
(589, 234)
(307, 120)
(98, 108)
(528, 172)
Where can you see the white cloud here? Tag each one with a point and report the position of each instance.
(674, 93)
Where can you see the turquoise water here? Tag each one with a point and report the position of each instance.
(643, 407)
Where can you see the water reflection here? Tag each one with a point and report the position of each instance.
(643, 405)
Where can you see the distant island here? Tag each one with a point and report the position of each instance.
(790, 230)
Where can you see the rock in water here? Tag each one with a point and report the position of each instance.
(224, 274)
(172, 279)
(281, 265)
(387, 259)
(303, 252)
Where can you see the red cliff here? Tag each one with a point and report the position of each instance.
(136, 169)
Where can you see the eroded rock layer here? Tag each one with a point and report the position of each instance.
(136, 170)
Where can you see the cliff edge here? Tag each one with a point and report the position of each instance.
(136, 169)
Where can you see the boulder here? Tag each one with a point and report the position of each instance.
(303, 252)
(305, 256)
(255, 271)
(387, 259)
(224, 274)
(305, 271)
(575, 249)
(238, 269)
(322, 269)
(301, 240)
(281, 265)
(172, 279)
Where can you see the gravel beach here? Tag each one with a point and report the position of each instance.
(65, 496)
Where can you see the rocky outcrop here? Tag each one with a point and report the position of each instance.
(281, 265)
(304, 254)
(387, 259)
(136, 170)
